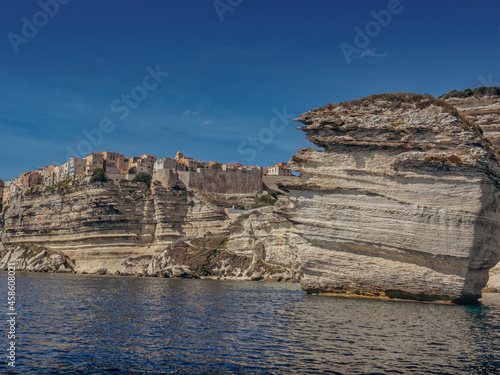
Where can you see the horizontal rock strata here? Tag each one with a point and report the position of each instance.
(114, 225)
(482, 107)
(402, 202)
(121, 228)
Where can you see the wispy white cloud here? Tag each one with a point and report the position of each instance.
(189, 113)
(369, 52)
(206, 122)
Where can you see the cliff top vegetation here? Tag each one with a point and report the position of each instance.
(398, 100)
(394, 100)
(98, 175)
(483, 91)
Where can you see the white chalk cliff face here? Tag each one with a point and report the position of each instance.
(115, 228)
(258, 245)
(108, 226)
(482, 107)
(264, 235)
(484, 110)
(402, 202)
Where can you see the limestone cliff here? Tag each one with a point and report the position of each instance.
(113, 226)
(258, 245)
(402, 202)
(481, 105)
(122, 228)
(36, 258)
(265, 230)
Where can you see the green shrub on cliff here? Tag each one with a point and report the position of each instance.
(264, 200)
(63, 184)
(146, 178)
(98, 175)
(143, 177)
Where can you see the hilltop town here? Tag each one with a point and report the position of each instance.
(211, 176)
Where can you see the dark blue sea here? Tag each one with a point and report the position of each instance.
(86, 324)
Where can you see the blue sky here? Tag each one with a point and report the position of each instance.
(232, 71)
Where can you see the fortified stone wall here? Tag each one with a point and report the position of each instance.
(223, 182)
(120, 176)
(167, 177)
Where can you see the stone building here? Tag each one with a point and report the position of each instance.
(149, 160)
(115, 165)
(168, 163)
(76, 167)
(191, 164)
(63, 172)
(93, 161)
(48, 175)
(110, 161)
(144, 163)
(29, 179)
(232, 166)
(234, 181)
(187, 164)
(206, 176)
(6, 193)
(123, 164)
(53, 174)
(11, 189)
(57, 173)
(279, 169)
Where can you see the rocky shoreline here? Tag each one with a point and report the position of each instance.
(43, 260)
(256, 245)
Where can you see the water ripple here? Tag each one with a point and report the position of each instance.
(86, 324)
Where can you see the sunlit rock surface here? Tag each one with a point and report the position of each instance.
(122, 228)
(112, 226)
(482, 105)
(400, 202)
